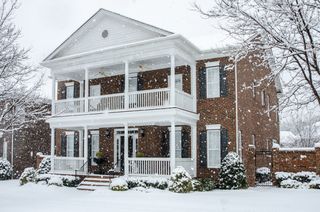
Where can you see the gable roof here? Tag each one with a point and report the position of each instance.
(102, 12)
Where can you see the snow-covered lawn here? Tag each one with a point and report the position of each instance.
(32, 197)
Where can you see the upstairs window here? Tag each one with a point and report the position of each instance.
(179, 83)
(69, 90)
(213, 82)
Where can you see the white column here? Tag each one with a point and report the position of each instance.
(193, 74)
(80, 143)
(173, 146)
(194, 147)
(86, 92)
(126, 85)
(53, 93)
(85, 149)
(172, 80)
(126, 146)
(52, 148)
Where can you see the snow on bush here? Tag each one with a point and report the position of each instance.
(232, 172)
(263, 174)
(42, 178)
(315, 184)
(290, 184)
(180, 181)
(55, 180)
(304, 177)
(5, 169)
(44, 166)
(147, 182)
(70, 181)
(28, 175)
(281, 176)
(205, 184)
(119, 184)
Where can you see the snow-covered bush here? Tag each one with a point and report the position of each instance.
(281, 176)
(289, 183)
(315, 184)
(28, 175)
(263, 174)
(42, 178)
(55, 180)
(5, 169)
(304, 177)
(180, 181)
(70, 181)
(119, 184)
(232, 172)
(44, 166)
(205, 184)
(147, 182)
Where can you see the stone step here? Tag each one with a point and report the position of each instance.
(96, 180)
(95, 183)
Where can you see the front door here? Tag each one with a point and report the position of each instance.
(119, 146)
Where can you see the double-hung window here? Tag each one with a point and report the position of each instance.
(178, 81)
(213, 146)
(213, 80)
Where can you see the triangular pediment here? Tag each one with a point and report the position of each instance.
(106, 29)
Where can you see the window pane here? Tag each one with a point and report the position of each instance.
(213, 148)
(70, 90)
(70, 146)
(213, 82)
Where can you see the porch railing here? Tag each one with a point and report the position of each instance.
(69, 165)
(106, 102)
(147, 99)
(184, 100)
(76, 105)
(149, 166)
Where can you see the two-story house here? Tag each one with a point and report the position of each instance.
(150, 101)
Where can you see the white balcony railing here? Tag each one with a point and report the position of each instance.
(68, 165)
(147, 99)
(149, 166)
(69, 106)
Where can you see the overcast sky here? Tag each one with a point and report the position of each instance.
(45, 24)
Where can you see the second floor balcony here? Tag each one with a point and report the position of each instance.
(126, 87)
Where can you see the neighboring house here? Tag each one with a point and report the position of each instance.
(113, 92)
(28, 140)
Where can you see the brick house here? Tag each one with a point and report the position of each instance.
(113, 92)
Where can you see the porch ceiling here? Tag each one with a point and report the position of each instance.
(161, 117)
(118, 69)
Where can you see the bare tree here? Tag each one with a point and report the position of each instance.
(288, 34)
(19, 102)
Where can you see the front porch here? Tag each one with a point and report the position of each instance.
(145, 150)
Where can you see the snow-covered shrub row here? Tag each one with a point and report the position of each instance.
(232, 172)
(5, 169)
(55, 180)
(281, 176)
(315, 184)
(297, 180)
(205, 184)
(28, 175)
(70, 181)
(147, 182)
(180, 181)
(290, 184)
(119, 184)
(263, 174)
(304, 177)
(44, 166)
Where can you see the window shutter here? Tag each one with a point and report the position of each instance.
(76, 144)
(122, 84)
(63, 145)
(203, 83)
(89, 149)
(165, 143)
(223, 81)
(76, 92)
(139, 83)
(203, 149)
(184, 144)
(224, 143)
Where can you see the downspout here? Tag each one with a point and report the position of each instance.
(12, 139)
(236, 101)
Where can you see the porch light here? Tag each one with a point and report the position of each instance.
(108, 133)
(142, 132)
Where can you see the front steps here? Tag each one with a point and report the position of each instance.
(94, 182)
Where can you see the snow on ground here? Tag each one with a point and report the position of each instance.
(35, 198)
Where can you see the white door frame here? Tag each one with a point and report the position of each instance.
(117, 136)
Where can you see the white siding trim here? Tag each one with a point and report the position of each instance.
(216, 63)
(69, 84)
(213, 127)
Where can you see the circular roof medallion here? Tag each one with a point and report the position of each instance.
(105, 33)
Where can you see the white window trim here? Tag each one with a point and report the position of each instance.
(213, 65)
(69, 84)
(213, 127)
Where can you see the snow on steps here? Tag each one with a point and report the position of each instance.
(94, 182)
